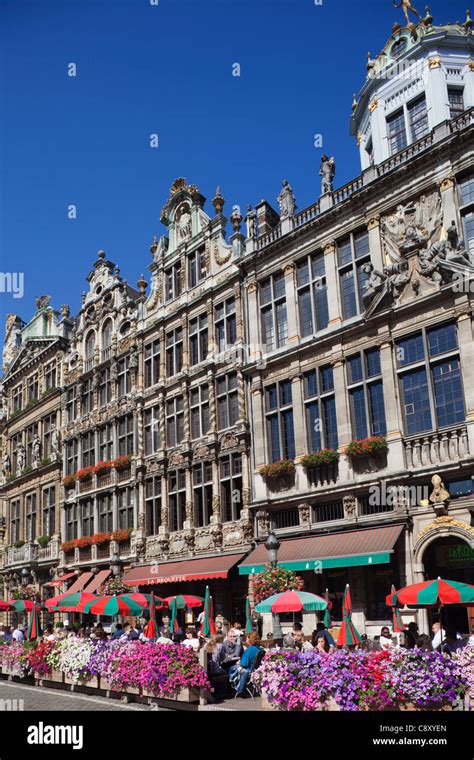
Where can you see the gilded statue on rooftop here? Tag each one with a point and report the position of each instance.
(406, 6)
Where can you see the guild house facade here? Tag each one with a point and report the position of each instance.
(311, 374)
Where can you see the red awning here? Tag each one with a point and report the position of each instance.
(80, 583)
(97, 581)
(60, 580)
(174, 572)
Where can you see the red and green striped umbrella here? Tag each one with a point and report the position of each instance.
(208, 626)
(433, 594)
(34, 629)
(292, 601)
(248, 618)
(348, 634)
(174, 615)
(183, 601)
(5, 606)
(22, 605)
(397, 622)
(151, 629)
(113, 605)
(66, 601)
(146, 600)
(327, 614)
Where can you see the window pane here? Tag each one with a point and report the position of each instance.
(416, 402)
(267, 329)
(302, 273)
(396, 132)
(306, 317)
(361, 244)
(322, 312)
(313, 425)
(410, 350)
(442, 339)
(372, 359)
(274, 437)
(311, 385)
(359, 418)
(279, 286)
(330, 423)
(355, 368)
(282, 323)
(344, 252)
(448, 393)
(349, 305)
(466, 190)
(285, 392)
(418, 118)
(327, 379)
(377, 409)
(288, 435)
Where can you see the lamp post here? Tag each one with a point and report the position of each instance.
(116, 565)
(272, 545)
(25, 576)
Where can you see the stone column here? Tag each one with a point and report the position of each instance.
(96, 514)
(253, 321)
(184, 325)
(63, 522)
(164, 527)
(290, 293)
(246, 483)
(378, 128)
(189, 521)
(187, 413)
(162, 353)
(211, 336)
(140, 447)
(393, 415)
(468, 73)
(375, 243)
(343, 417)
(447, 189)
(466, 350)
(258, 425)
(422, 615)
(216, 516)
(114, 511)
(301, 446)
(239, 316)
(436, 93)
(332, 277)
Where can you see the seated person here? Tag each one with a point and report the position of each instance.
(385, 638)
(243, 668)
(321, 628)
(231, 651)
(191, 641)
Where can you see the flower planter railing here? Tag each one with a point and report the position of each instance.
(124, 474)
(85, 485)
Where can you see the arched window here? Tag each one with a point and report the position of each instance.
(107, 331)
(90, 345)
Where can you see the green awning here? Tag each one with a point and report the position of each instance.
(359, 548)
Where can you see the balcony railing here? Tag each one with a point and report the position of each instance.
(307, 215)
(437, 448)
(106, 353)
(50, 551)
(88, 364)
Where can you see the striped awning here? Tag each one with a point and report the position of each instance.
(59, 581)
(97, 581)
(175, 572)
(349, 549)
(80, 583)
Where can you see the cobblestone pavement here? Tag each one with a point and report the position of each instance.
(37, 698)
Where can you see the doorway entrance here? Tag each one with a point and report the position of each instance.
(452, 559)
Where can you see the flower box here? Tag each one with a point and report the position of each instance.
(69, 481)
(56, 675)
(319, 458)
(85, 473)
(121, 463)
(371, 446)
(188, 695)
(278, 469)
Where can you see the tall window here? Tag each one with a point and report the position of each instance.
(106, 442)
(174, 421)
(152, 430)
(17, 397)
(89, 350)
(71, 522)
(32, 388)
(456, 101)
(88, 449)
(50, 375)
(273, 312)
(107, 332)
(87, 517)
(227, 400)
(71, 457)
(125, 435)
(196, 267)
(397, 136)
(199, 405)
(366, 394)
(225, 324)
(30, 516)
(353, 254)
(177, 498)
(106, 510)
(279, 416)
(198, 339)
(105, 387)
(466, 201)
(126, 502)
(153, 505)
(231, 486)
(15, 520)
(174, 352)
(87, 396)
(173, 282)
(48, 423)
(124, 377)
(202, 493)
(31, 432)
(312, 294)
(152, 363)
(71, 406)
(417, 118)
(49, 510)
(320, 409)
(430, 379)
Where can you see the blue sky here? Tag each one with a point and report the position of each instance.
(165, 69)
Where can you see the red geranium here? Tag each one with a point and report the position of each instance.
(85, 473)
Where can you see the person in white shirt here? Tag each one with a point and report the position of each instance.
(385, 639)
(191, 641)
(165, 637)
(237, 629)
(18, 634)
(438, 635)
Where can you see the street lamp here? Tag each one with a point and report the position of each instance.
(116, 565)
(25, 577)
(272, 545)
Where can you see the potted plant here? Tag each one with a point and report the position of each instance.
(277, 469)
(318, 458)
(121, 535)
(83, 543)
(69, 481)
(18, 544)
(101, 538)
(43, 541)
(68, 546)
(122, 462)
(103, 467)
(85, 473)
(274, 580)
(370, 446)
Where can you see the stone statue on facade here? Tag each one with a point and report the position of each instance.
(373, 285)
(286, 200)
(55, 441)
(36, 448)
(6, 464)
(184, 225)
(406, 6)
(327, 172)
(251, 220)
(20, 457)
(437, 261)
(439, 497)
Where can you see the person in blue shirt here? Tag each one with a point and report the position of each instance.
(321, 629)
(244, 667)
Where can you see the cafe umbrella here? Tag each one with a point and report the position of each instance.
(69, 602)
(5, 606)
(327, 614)
(34, 628)
(184, 600)
(433, 594)
(292, 601)
(248, 618)
(113, 605)
(208, 626)
(348, 634)
(397, 622)
(22, 605)
(151, 629)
